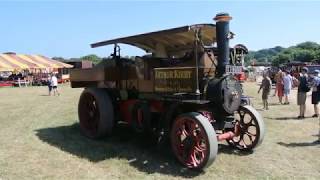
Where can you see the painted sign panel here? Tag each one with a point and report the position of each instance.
(233, 69)
(175, 80)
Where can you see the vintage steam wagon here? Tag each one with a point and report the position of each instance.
(183, 90)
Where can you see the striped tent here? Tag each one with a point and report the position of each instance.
(12, 61)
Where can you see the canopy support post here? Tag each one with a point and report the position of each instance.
(197, 32)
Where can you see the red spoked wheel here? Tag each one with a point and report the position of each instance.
(95, 112)
(251, 127)
(193, 140)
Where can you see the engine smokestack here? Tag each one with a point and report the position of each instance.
(222, 33)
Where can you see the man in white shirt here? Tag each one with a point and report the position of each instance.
(54, 84)
(287, 86)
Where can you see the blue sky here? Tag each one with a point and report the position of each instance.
(59, 28)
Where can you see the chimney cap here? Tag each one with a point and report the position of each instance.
(223, 16)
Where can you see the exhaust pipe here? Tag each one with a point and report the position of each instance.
(222, 33)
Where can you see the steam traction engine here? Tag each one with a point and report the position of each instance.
(183, 90)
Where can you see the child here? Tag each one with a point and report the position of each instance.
(266, 87)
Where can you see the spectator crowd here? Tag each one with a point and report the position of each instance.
(284, 82)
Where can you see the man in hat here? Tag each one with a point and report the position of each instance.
(315, 97)
(303, 88)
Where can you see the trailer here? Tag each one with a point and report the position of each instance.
(183, 90)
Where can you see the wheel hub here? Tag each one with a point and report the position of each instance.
(187, 143)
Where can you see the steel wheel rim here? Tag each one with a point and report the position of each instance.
(189, 142)
(90, 114)
(249, 130)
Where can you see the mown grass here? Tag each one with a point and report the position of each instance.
(40, 139)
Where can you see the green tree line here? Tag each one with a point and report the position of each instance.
(304, 52)
(90, 57)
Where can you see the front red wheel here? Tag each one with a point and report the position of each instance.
(251, 129)
(193, 140)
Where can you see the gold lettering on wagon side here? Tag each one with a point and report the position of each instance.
(175, 74)
(168, 80)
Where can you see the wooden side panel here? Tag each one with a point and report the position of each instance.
(112, 74)
(146, 85)
(103, 74)
(93, 74)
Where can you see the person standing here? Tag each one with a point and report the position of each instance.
(315, 96)
(266, 87)
(49, 84)
(54, 84)
(279, 85)
(287, 86)
(302, 91)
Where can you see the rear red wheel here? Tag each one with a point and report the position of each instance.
(89, 114)
(194, 141)
(95, 112)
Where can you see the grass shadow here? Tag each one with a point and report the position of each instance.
(140, 152)
(275, 104)
(227, 149)
(302, 144)
(283, 118)
(288, 118)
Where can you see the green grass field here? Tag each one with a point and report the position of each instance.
(40, 139)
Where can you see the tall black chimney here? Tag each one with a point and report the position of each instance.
(222, 32)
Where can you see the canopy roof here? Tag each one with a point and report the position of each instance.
(12, 61)
(172, 40)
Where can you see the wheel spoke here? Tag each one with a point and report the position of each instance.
(184, 132)
(243, 145)
(200, 148)
(190, 128)
(241, 114)
(195, 157)
(91, 114)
